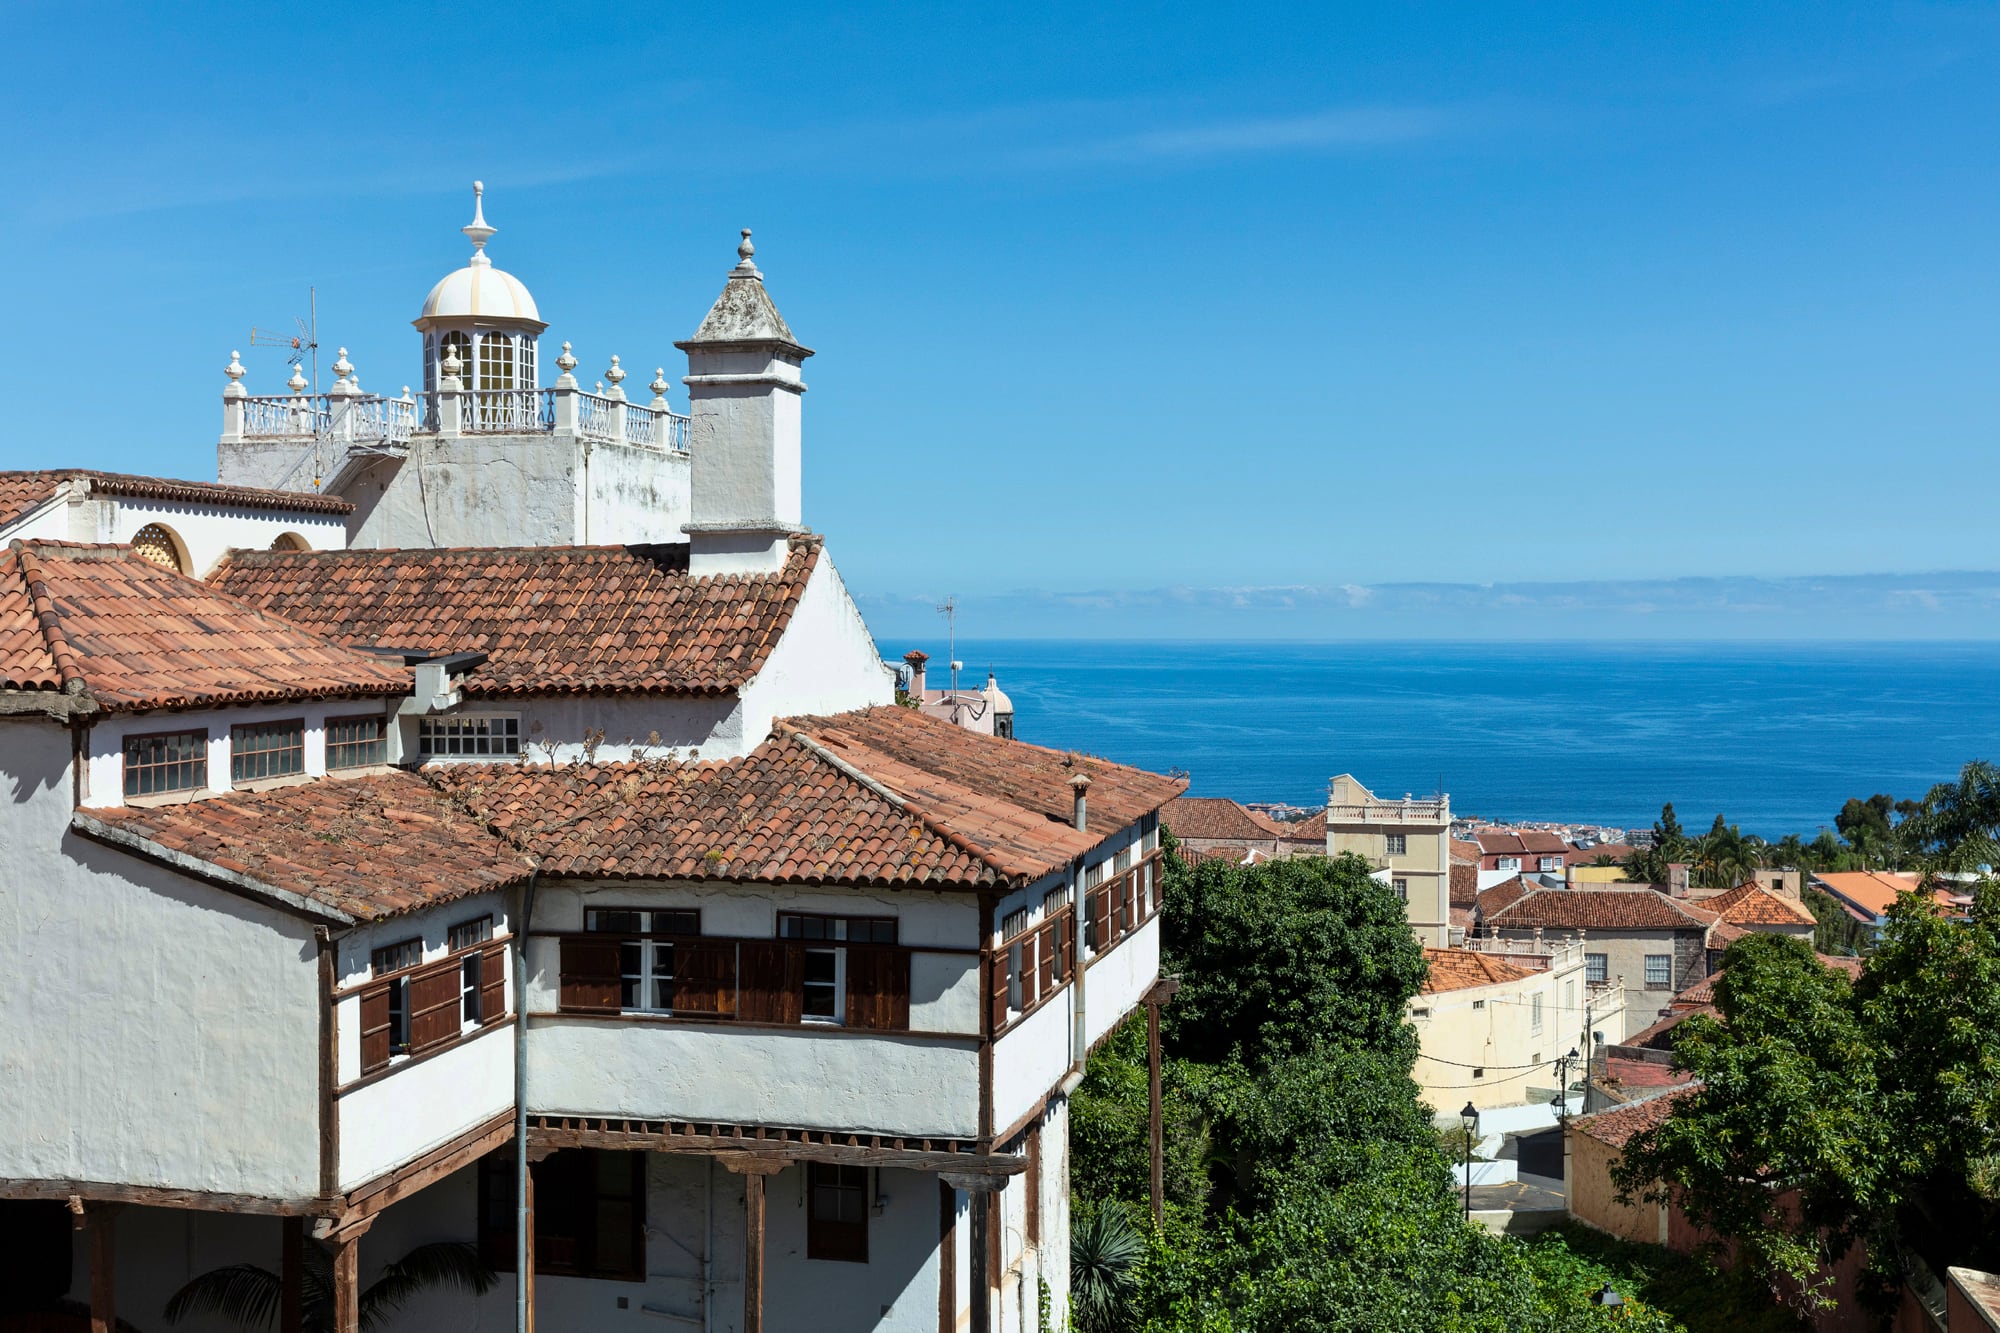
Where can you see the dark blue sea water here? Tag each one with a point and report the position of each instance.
(1775, 736)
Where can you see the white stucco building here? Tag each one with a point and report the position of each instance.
(341, 880)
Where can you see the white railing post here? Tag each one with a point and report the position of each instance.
(663, 413)
(232, 401)
(565, 394)
(451, 405)
(340, 399)
(616, 395)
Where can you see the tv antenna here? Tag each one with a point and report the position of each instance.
(303, 345)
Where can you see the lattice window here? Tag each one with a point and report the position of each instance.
(155, 542)
(356, 742)
(496, 361)
(469, 735)
(290, 541)
(266, 750)
(174, 761)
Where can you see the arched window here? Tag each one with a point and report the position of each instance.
(157, 543)
(496, 361)
(290, 541)
(459, 343)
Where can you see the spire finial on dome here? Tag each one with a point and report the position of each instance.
(477, 230)
(746, 264)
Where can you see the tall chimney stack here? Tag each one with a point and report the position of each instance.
(744, 441)
(1677, 879)
(916, 658)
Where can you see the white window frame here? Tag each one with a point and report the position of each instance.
(1395, 844)
(1535, 1017)
(1508, 863)
(1597, 967)
(456, 728)
(1552, 865)
(651, 970)
(1401, 887)
(1666, 962)
(835, 944)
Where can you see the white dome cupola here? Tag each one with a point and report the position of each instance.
(486, 316)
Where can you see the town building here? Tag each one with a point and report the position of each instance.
(987, 710)
(1493, 1019)
(184, 525)
(1214, 824)
(1657, 944)
(1408, 843)
(1867, 895)
(595, 905)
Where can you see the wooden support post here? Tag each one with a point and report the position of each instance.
(1153, 1111)
(347, 1275)
(753, 1169)
(947, 1258)
(292, 1276)
(103, 1270)
(985, 1235)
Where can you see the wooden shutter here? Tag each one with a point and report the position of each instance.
(705, 977)
(772, 976)
(878, 989)
(1046, 945)
(493, 984)
(434, 1005)
(590, 975)
(1100, 916)
(997, 988)
(374, 1029)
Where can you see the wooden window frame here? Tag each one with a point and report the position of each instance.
(296, 726)
(643, 968)
(198, 763)
(335, 749)
(837, 1240)
(496, 1214)
(838, 945)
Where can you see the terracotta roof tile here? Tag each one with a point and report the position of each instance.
(1703, 991)
(1597, 909)
(1464, 884)
(137, 635)
(1310, 829)
(370, 847)
(1215, 817)
(555, 619)
(885, 796)
(1499, 897)
(21, 492)
(1752, 904)
(1618, 1125)
(1465, 851)
(1462, 969)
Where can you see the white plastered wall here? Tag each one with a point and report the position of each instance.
(207, 532)
(825, 661)
(104, 783)
(154, 1030)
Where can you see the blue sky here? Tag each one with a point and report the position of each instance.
(1107, 300)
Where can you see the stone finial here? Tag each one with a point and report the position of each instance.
(659, 387)
(745, 264)
(477, 230)
(616, 374)
(236, 373)
(297, 383)
(406, 395)
(566, 363)
(600, 388)
(345, 380)
(449, 368)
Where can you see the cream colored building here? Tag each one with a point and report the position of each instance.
(1409, 844)
(1493, 1019)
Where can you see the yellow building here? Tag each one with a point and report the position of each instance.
(1492, 1020)
(1409, 844)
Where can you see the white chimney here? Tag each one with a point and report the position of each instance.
(744, 442)
(916, 659)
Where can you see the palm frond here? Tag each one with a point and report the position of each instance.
(244, 1294)
(1104, 1252)
(452, 1264)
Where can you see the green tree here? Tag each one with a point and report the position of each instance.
(1874, 1108)
(1956, 827)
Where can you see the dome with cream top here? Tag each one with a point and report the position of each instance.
(479, 294)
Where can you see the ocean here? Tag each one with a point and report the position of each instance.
(1773, 736)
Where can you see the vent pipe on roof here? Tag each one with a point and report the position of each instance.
(1079, 785)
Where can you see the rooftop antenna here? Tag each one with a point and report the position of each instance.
(948, 608)
(304, 345)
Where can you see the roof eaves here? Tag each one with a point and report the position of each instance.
(139, 845)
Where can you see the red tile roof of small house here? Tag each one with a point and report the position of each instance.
(23, 492)
(1597, 909)
(1310, 829)
(1617, 1126)
(1215, 817)
(1752, 904)
(553, 619)
(1464, 884)
(1463, 969)
(132, 634)
(1502, 895)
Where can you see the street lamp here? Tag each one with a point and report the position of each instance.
(1563, 1065)
(1607, 1297)
(1469, 1118)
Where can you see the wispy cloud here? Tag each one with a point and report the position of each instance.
(1330, 130)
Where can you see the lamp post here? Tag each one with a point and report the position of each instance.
(1469, 1118)
(1563, 1065)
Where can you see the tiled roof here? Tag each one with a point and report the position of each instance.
(885, 796)
(1464, 884)
(1872, 890)
(1228, 853)
(1500, 896)
(555, 619)
(1310, 829)
(1618, 1125)
(1541, 840)
(137, 635)
(1752, 904)
(1703, 991)
(1597, 909)
(1462, 969)
(21, 492)
(1499, 844)
(1464, 851)
(368, 847)
(1656, 1037)
(1214, 817)
(1633, 1073)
